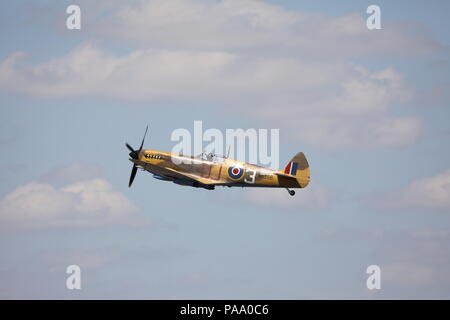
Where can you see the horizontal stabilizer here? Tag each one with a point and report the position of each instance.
(285, 175)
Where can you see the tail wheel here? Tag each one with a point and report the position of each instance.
(291, 192)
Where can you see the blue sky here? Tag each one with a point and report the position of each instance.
(368, 108)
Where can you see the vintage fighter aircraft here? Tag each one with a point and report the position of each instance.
(209, 170)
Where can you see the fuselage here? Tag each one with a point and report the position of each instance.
(215, 170)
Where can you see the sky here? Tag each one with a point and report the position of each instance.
(369, 108)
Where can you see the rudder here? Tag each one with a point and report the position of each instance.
(299, 167)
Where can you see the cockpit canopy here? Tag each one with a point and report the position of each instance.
(217, 158)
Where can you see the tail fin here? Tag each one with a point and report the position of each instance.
(299, 168)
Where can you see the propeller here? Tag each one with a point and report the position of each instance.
(133, 174)
(134, 154)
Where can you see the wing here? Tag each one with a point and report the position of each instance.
(171, 173)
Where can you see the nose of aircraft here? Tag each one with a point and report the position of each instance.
(134, 154)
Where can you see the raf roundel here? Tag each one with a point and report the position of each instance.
(235, 172)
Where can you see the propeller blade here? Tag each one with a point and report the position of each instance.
(142, 144)
(129, 147)
(133, 174)
(135, 155)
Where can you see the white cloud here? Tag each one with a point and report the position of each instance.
(71, 173)
(314, 196)
(250, 56)
(82, 204)
(361, 132)
(201, 24)
(315, 87)
(432, 192)
(248, 25)
(148, 74)
(334, 104)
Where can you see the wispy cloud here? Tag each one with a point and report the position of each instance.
(249, 25)
(335, 104)
(431, 192)
(85, 203)
(417, 259)
(242, 53)
(72, 173)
